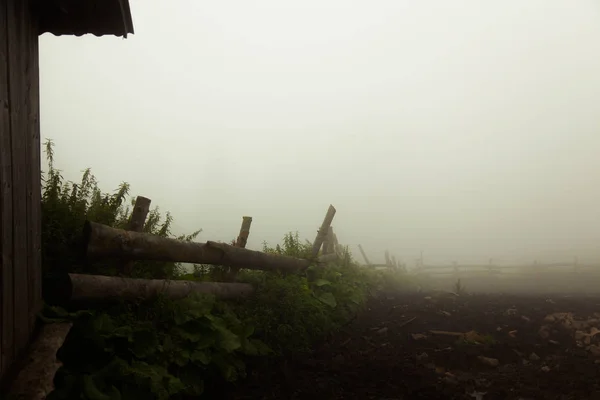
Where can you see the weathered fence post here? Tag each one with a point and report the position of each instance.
(136, 224)
(241, 241)
(328, 242)
(322, 232)
(242, 238)
(364, 255)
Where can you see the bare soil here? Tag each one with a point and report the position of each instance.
(490, 347)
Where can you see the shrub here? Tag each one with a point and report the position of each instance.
(66, 206)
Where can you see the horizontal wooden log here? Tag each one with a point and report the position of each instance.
(104, 241)
(36, 379)
(91, 288)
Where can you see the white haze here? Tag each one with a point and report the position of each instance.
(465, 129)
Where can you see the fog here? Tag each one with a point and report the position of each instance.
(467, 130)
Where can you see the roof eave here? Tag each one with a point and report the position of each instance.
(80, 17)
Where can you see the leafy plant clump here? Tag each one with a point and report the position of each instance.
(165, 349)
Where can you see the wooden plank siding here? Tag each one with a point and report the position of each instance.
(20, 184)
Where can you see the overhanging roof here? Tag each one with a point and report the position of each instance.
(78, 17)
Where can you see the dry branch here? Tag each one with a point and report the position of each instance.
(103, 241)
(90, 288)
(36, 380)
(322, 231)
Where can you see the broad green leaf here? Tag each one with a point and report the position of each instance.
(205, 341)
(322, 282)
(103, 323)
(201, 357)
(249, 348)
(228, 340)
(91, 391)
(328, 299)
(247, 331)
(356, 298)
(184, 334)
(227, 368)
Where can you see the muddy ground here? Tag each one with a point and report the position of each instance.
(444, 346)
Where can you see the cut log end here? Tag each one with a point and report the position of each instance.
(36, 379)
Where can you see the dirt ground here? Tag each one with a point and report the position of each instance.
(443, 346)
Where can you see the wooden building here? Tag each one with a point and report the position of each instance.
(21, 22)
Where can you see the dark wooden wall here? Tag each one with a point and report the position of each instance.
(20, 185)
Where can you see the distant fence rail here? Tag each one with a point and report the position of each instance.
(572, 267)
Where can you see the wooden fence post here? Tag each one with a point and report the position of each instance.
(364, 255)
(136, 224)
(328, 242)
(242, 238)
(241, 241)
(322, 232)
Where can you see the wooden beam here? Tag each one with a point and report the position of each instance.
(66, 288)
(104, 241)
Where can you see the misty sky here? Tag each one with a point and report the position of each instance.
(466, 129)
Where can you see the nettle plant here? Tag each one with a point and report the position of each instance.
(67, 205)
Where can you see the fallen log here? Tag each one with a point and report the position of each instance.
(103, 241)
(36, 379)
(66, 288)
